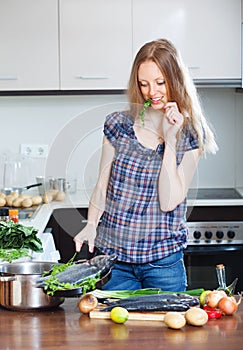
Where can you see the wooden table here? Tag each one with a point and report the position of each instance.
(66, 328)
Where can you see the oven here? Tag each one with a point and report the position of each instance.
(215, 222)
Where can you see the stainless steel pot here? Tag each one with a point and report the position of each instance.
(17, 287)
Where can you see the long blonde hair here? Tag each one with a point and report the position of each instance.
(179, 85)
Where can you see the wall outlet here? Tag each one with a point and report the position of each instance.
(40, 151)
(34, 150)
(26, 150)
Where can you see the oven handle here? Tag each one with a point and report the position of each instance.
(210, 250)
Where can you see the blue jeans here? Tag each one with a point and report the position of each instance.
(168, 274)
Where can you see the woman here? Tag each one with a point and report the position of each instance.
(150, 154)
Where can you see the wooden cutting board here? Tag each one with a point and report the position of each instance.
(133, 315)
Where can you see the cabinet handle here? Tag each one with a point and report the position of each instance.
(90, 77)
(193, 67)
(8, 77)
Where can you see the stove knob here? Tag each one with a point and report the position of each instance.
(197, 234)
(231, 234)
(208, 234)
(219, 234)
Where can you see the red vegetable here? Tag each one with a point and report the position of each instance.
(212, 313)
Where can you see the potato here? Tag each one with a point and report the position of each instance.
(24, 196)
(14, 194)
(2, 202)
(27, 202)
(36, 200)
(196, 316)
(9, 200)
(17, 202)
(2, 195)
(174, 319)
(47, 198)
(60, 196)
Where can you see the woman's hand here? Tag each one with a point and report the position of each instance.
(88, 235)
(173, 121)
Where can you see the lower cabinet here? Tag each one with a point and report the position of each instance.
(64, 224)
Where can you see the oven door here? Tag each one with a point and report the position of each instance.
(201, 261)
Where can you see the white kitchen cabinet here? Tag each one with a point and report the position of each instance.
(95, 44)
(207, 33)
(29, 45)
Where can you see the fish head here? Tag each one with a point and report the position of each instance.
(103, 263)
(103, 260)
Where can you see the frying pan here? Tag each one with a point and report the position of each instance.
(19, 190)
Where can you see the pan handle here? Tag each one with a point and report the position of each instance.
(35, 185)
(7, 278)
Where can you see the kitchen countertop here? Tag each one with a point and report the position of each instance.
(66, 328)
(80, 199)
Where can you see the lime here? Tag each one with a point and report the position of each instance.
(202, 297)
(119, 314)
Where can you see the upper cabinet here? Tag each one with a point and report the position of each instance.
(207, 33)
(95, 44)
(29, 45)
(90, 45)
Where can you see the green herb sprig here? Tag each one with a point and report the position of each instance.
(10, 255)
(146, 104)
(56, 268)
(53, 285)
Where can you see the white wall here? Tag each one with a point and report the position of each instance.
(72, 127)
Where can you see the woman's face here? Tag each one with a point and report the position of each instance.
(152, 84)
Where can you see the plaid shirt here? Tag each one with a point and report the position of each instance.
(133, 225)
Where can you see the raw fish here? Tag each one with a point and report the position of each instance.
(98, 266)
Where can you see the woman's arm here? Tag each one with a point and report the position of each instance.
(174, 181)
(98, 198)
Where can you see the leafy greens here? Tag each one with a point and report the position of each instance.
(17, 236)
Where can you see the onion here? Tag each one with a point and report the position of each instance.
(87, 303)
(212, 299)
(229, 305)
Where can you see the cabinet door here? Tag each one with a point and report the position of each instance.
(207, 33)
(95, 44)
(29, 45)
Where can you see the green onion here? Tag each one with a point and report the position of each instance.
(192, 292)
(121, 294)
